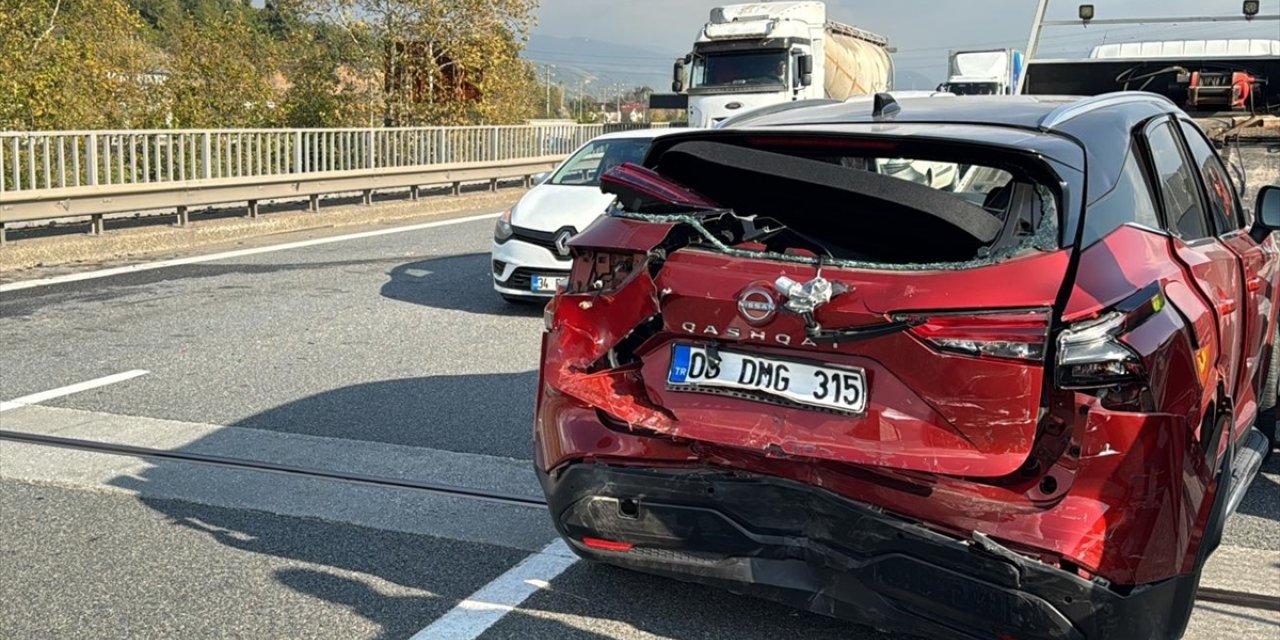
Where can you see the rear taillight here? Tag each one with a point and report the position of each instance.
(1090, 357)
(1090, 353)
(602, 272)
(1006, 335)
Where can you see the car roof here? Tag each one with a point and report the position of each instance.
(639, 134)
(1045, 113)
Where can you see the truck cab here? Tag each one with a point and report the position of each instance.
(754, 55)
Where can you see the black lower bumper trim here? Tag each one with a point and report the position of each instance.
(808, 548)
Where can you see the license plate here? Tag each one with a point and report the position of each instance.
(839, 388)
(545, 284)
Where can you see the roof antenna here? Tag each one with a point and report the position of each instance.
(884, 107)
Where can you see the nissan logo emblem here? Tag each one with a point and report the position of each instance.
(756, 305)
(733, 105)
(562, 239)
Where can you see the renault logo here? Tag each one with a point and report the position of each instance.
(756, 305)
(562, 239)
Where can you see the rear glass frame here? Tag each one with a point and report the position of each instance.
(1047, 173)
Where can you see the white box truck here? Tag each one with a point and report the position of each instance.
(988, 72)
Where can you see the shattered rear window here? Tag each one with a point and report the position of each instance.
(860, 209)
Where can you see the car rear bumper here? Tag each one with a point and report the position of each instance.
(808, 548)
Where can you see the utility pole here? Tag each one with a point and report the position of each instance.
(1033, 43)
(549, 68)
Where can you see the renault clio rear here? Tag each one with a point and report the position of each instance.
(1019, 407)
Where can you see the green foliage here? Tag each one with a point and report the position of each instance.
(438, 61)
(72, 64)
(79, 64)
(222, 74)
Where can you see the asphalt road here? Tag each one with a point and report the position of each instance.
(388, 355)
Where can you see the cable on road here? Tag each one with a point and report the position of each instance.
(270, 467)
(1239, 599)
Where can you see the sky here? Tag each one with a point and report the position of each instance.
(923, 31)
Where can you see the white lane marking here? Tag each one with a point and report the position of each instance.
(148, 266)
(493, 601)
(37, 398)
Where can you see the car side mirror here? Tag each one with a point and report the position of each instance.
(539, 178)
(1267, 214)
(805, 64)
(677, 76)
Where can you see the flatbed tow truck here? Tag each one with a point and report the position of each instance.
(1231, 88)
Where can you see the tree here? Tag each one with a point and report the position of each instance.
(222, 74)
(440, 61)
(68, 64)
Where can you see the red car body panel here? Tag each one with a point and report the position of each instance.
(1116, 485)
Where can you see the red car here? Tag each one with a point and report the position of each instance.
(1020, 404)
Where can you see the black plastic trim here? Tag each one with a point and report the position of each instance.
(808, 548)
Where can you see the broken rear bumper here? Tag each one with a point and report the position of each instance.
(811, 549)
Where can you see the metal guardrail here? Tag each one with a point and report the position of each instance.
(60, 174)
(63, 159)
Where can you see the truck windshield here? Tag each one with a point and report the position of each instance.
(973, 88)
(739, 69)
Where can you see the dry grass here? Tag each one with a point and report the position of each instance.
(123, 244)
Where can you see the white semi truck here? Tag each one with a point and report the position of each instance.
(990, 72)
(764, 53)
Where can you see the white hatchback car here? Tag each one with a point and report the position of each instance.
(531, 240)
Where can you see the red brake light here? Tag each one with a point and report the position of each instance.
(832, 142)
(1008, 335)
(607, 545)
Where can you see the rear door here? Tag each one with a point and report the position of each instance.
(1257, 265)
(1214, 267)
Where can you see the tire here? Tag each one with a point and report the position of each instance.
(1266, 422)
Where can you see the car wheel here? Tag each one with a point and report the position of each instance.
(1267, 401)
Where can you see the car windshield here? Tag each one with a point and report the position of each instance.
(755, 68)
(589, 163)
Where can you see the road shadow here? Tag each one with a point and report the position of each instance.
(1263, 497)
(397, 581)
(665, 608)
(404, 581)
(479, 413)
(459, 283)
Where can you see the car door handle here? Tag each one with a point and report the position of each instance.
(1255, 283)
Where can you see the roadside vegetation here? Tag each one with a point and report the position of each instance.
(136, 64)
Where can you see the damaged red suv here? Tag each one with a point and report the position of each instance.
(797, 360)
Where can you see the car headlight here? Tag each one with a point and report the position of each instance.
(503, 230)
